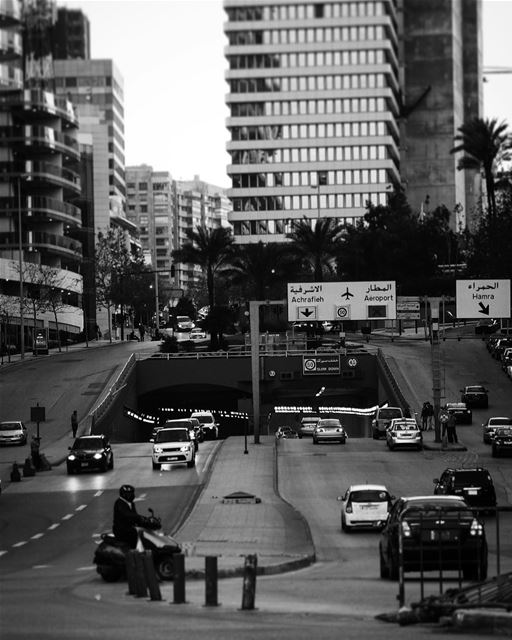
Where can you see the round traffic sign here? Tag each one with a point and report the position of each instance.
(352, 362)
(310, 365)
(272, 373)
(342, 312)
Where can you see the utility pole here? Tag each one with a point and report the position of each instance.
(436, 362)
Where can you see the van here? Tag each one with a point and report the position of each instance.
(210, 427)
(382, 420)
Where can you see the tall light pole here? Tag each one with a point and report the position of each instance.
(20, 265)
(157, 314)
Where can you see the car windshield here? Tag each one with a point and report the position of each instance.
(329, 423)
(369, 495)
(183, 319)
(9, 426)
(205, 419)
(172, 435)
(496, 421)
(177, 424)
(390, 413)
(429, 509)
(467, 478)
(475, 389)
(405, 427)
(88, 443)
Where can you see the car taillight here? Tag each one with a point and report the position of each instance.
(406, 529)
(476, 528)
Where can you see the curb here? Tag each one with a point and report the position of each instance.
(264, 570)
(496, 621)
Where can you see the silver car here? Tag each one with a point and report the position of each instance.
(13, 432)
(329, 430)
(404, 432)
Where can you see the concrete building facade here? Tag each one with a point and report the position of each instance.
(329, 101)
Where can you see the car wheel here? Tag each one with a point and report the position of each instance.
(164, 567)
(494, 452)
(104, 466)
(111, 465)
(156, 465)
(384, 571)
(71, 471)
(342, 441)
(315, 441)
(191, 463)
(420, 447)
(375, 435)
(109, 573)
(300, 436)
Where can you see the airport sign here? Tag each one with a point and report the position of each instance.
(339, 301)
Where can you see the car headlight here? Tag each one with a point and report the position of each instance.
(98, 456)
(71, 457)
(185, 447)
(157, 449)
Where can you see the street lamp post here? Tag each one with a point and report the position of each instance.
(20, 265)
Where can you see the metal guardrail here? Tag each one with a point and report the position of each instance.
(199, 355)
(394, 384)
(98, 412)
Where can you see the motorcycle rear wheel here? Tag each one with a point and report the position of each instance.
(164, 567)
(109, 573)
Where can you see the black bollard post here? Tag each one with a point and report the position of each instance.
(140, 576)
(131, 573)
(210, 571)
(179, 578)
(28, 468)
(249, 585)
(15, 473)
(151, 577)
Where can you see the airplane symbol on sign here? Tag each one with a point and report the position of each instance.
(347, 295)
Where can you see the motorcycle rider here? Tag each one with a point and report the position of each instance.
(126, 517)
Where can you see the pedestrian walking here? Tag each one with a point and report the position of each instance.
(443, 419)
(142, 331)
(425, 412)
(451, 431)
(74, 423)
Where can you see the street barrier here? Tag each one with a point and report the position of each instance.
(210, 570)
(249, 584)
(179, 578)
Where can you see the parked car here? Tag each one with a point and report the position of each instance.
(307, 425)
(473, 484)
(90, 452)
(502, 441)
(461, 411)
(329, 430)
(437, 533)
(198, 336)
(382, 420)
(173, 446)
(365, 506)
(13, 432)
(404, 432)
(286, 433)
(491, 424)
(207, 420)
(475, 395)
(500, 346)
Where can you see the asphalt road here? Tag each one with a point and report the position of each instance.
(50, 589)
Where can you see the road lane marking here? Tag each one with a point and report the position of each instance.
(53, 526)
(98, 493)
(81, 507)
(37, 535)
(68, 516)
(20, 544)
(3, 553)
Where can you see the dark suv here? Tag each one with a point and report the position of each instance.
(90, 452)
(475, 485)
(475, 395)
(438, 533)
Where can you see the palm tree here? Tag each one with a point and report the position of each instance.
(485, 144)
(316, 246)
(211, 249)
(258, 268)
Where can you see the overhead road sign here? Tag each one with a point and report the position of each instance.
(321, 365)
(338, 301)
(408, 307)
(483, 298)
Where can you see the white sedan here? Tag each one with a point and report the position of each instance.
(365, 506)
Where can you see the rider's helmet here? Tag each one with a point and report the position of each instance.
(127, 491)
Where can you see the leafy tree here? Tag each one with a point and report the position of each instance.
(486, 145)
(316, 246)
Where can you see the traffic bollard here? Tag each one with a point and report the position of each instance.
(140, 577)
(151, 577)
(249, 584)
(131, 573)
(210, 571)
(179, 578)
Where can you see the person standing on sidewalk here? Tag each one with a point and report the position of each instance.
(451, 429)
(74, 423)
(425, 412)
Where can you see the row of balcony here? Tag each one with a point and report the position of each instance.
(43, 242)
(11, 45)
(41, 175)
(40, 103)
(43, 207)
(43, 139)
(10, 12)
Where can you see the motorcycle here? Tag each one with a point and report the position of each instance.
(110, 555)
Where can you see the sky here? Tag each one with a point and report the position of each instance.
(171, 55)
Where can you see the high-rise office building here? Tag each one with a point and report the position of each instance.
(329, 100)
